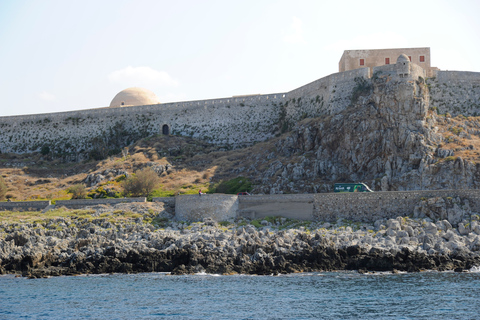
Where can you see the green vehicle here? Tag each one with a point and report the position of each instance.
(351, 187)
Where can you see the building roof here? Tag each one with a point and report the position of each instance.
(403, 58)
(134, 97)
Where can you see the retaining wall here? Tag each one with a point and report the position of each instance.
(24, 205)
(80, 203)
(170, 201)
(219, 207)
(350, 206)
(293, 206)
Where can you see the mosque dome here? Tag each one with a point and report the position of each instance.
(134, 97)
(403, 58)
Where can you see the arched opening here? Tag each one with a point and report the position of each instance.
(165, 130)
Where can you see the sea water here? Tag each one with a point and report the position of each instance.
(324, 295)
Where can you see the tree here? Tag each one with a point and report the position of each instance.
(78, 191)
(142, 183)
(3, 188)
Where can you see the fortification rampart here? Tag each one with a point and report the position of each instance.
(328, 95)
(455, 92)
(236, 121)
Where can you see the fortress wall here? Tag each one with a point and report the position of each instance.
(328, 95)
(236, 121)
(455, 92)
(219, 207)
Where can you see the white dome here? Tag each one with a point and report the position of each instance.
(134, 97)
(403, 58)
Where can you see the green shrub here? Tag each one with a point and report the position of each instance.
(142, 183)
(78, 191)
(234, 186)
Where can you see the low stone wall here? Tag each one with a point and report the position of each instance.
(293, 206)
(24, 205)
(381, 205)
(80, 203)
(218, 207)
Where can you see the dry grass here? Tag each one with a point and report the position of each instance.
(462, 135)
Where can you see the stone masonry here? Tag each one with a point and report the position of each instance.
(237, 121)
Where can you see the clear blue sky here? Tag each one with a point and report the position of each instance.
(60, 55)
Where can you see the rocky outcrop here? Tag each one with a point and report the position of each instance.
(67, 246)
(387, 138)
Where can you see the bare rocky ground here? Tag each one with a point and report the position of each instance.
(106, 239)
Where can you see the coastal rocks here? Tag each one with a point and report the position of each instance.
(98, 246)
(452, 210)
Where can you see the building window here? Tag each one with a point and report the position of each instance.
(410, 58)
(422, 58)
(362, 62)
(387, 60)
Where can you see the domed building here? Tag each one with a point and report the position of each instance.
(134, 97)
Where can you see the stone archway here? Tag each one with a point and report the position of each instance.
(166, 130)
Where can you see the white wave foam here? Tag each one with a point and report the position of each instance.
(475, 269)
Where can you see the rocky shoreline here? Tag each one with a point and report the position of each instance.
(93, 243)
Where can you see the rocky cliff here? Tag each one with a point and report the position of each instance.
(389, 138)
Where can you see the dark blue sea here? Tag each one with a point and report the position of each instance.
(331, 295)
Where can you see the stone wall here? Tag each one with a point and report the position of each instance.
(325, 96)
(293, 206)
(81, 203)
(455, 92)
(219, 207)
(170, 201)
(236, 121)
(349, 206)
(381, 205)
(24, 205)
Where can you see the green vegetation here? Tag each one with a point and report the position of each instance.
(455, 130)
(160, 222)
(142, 183)
(362, 87)
(78, 191)
(234, 186)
